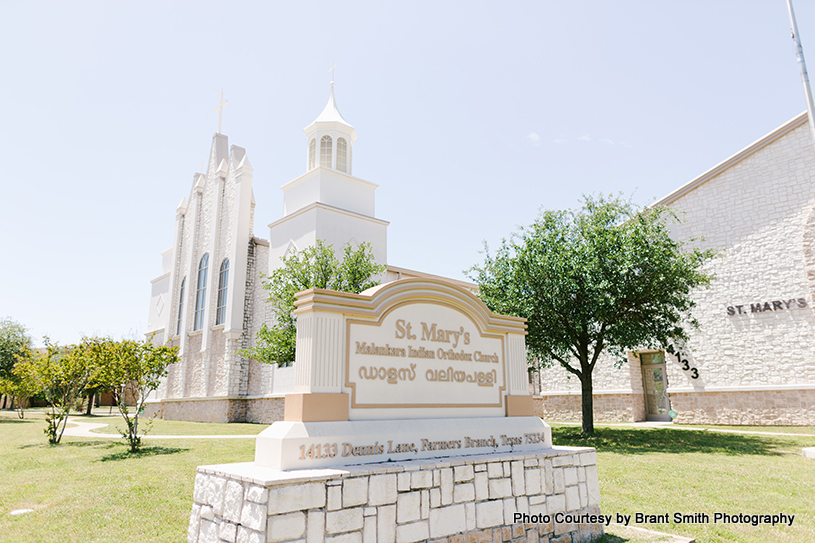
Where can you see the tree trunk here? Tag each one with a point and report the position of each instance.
(64, 424)
(587, 403)
(91, 398)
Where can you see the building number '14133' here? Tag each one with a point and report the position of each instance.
(694, 373)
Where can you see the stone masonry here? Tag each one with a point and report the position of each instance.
(607, 407)
(451, 500)
(751, 359)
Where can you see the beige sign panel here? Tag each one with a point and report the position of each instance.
(423, 354)
(414, 348)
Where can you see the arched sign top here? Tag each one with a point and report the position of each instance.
(375, 302)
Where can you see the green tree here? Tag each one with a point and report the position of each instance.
(14, 340)
(313, 267)
(61, 373)
(19, 386)
(130, 370)
(607, 276)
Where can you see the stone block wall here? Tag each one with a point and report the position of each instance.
(761, 407)
(607, 407)
(757, 319)
(204, 410)
(223, 409)
(264, 410)
(757, 215)
(442, 500)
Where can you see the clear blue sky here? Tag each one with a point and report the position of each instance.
(471, 116)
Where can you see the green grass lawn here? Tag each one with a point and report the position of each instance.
(89, 489)
(656, 471)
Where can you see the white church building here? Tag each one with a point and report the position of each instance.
(752, 361)
(209, 299)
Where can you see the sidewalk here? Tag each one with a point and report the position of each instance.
(83, 429)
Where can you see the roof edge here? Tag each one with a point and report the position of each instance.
(757, 145)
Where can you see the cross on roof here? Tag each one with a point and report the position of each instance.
(220, 110)
(332, 72)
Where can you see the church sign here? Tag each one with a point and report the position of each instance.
(416, 368)
(761, 307)
(423, 355)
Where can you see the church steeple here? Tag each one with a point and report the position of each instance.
(328, 202)
(330, 139)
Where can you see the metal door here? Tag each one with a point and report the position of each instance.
(655, 386)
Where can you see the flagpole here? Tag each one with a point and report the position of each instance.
(799, 51)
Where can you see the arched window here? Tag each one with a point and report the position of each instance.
(180, 307)
(201, 293)
(342, 151)
(312, 154)
(223, 278)
(325, 151)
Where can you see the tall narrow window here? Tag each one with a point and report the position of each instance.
(223, 278)
(201, 293)
(325, 151)
(180, 307)
(342, 151)
(312, 154)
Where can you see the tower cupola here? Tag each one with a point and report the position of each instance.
(330, 139)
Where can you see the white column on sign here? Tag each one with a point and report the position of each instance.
(516, 365)
(320, 353)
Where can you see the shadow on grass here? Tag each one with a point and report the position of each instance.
(639, 441)
(610, 538)
(142, 453)
(63, 443)
(6, 420)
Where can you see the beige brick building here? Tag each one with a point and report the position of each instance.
(752, 361)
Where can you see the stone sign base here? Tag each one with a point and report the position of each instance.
(454, 499)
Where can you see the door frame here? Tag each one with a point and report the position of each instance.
(655, 416)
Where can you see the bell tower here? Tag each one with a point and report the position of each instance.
(328, 202)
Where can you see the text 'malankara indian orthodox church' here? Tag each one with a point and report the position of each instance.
(751, 362)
